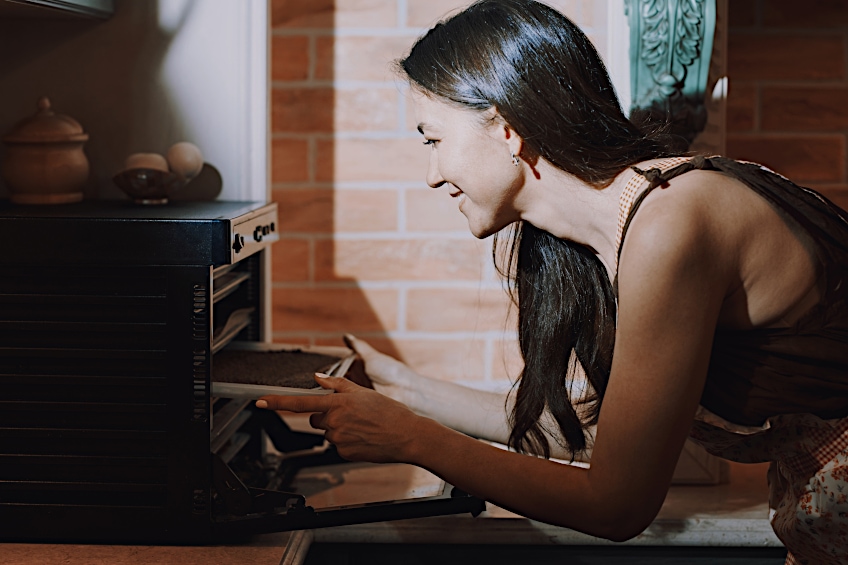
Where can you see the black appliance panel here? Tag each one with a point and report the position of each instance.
(110, 315)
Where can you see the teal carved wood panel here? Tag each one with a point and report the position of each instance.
(670, 46)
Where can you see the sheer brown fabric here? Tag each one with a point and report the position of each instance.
(755, 374)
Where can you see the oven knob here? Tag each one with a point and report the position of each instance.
(238, 243)
(257, 233)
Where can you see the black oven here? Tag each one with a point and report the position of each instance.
(111, 316)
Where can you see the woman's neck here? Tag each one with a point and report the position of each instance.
(568, 208)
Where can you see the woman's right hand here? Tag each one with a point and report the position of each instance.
(387, 375)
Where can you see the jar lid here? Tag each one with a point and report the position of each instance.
(46, 126)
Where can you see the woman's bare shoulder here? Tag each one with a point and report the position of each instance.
(699, 207)
(703, 203)
(766, 265)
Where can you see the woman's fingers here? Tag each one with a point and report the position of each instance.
(362, 348)
(308, 403)
(295, 403)
(316, 420)
(361, 423)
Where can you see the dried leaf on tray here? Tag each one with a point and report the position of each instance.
(294, 368)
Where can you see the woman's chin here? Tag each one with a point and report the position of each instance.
(480, 231)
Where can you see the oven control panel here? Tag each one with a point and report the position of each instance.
(253, 232)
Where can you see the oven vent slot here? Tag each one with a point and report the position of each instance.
(83, 387)
(200, 364)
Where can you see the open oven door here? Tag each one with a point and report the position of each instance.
(273, 473)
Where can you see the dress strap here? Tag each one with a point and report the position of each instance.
(629, 202)
(628, 195)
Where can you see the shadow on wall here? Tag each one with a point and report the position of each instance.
(106, 74)
(311, 304)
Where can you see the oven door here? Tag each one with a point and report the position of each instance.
(272, 472)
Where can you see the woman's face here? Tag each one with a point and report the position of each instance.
(473, 157)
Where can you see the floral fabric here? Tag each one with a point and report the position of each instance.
(808, 477)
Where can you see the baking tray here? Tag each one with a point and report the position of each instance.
(251, 391)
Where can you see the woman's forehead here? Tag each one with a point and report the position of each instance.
(432, 113)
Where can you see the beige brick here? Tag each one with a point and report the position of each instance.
(289, 160)
(379, 260)
(334, 309)
(290, 260)
(289, 58)
(802, 159)
(302, 13)
(425, 13)
(321, 210)
(452, 310)
(581, 12)
(410, 123)
(306, 210)
(431, 209)
(366, 13)
(371, 109)
(395, 160)
(302, 110)
(448, 360)
(377, 341)
(365, 210)
(333, 13)
(360, 58)
(506, 361)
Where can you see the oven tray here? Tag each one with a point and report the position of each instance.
(251, 391)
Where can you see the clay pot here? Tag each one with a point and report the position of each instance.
(44, 162)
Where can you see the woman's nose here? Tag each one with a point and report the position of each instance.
(434, 177)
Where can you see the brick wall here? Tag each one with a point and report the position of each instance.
(788, 95)
(366, 246)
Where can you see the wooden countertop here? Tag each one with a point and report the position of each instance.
(272, 549)
(729, 515)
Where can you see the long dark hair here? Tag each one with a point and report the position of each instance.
(546, 80)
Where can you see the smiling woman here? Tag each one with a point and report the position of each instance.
(714, 307)
(471, 153)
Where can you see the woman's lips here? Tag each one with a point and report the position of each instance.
(459, 195)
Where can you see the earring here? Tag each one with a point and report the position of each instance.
(515, 160)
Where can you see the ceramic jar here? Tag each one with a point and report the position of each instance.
(44, 162)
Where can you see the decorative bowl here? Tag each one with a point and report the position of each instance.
(148, 186)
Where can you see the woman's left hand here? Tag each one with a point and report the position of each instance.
(363, 424)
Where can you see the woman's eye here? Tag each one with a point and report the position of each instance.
(431, 142)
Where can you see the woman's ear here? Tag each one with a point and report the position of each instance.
(503, 132)
(513, 140)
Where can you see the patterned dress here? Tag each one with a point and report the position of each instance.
(781, 394)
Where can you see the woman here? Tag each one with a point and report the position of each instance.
(700, 297)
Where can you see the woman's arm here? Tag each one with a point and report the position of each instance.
(673, 277)
(478, 413)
